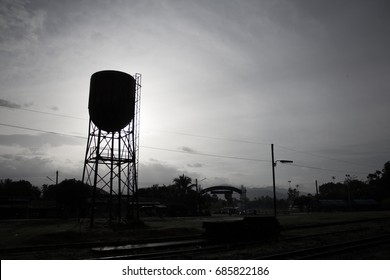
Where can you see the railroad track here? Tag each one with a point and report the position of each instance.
(42, 250)
(151, 250)
(327, 251)
(196, 248)
(189, 247)
(340, 223)
(183, 253)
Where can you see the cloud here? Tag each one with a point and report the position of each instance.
(156, 173)
(187, 150)
(19, 25)
(196, 165)
(33, 157)
(39, 141)
(9, 104)
(13, 105)
(20, 167)
(162, 173)
(36, 168)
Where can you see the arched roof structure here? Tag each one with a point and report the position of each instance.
(221, 188)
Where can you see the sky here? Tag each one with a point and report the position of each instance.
(222, 80)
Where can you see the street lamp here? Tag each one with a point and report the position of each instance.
(347, 183)
(197, 194)
(196, 184)
(56, 182)
(274, 162)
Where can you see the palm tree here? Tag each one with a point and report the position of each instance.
(183, 182)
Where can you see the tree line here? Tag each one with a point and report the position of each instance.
(20, 199)
(182, 198)
(376, 187)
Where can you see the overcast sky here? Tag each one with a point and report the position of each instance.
(221, 81)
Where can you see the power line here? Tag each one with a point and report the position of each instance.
(261, 143)
(159, 130)
(205, 154)
(43, 112)
(43, 131)
(324, 157)
(141, 146)
(191, 153)
(326, 169)
(201, 136)
(211, 137)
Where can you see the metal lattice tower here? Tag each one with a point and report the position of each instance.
(111, 167)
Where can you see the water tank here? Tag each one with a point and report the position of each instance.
(111, 100)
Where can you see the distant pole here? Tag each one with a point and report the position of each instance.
(57, 177)
(317, 188)
(197, 197)
(273, 177)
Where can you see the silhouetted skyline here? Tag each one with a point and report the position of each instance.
(222, 80)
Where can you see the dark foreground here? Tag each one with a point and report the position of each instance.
(68, 239)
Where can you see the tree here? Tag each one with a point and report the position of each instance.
(183, 182)
(303, 201)
(374, 178)
(265, 202)
(20, 188)
(379, 183)
(292, 194)
(333, 191)
(179, 198)
(70, 195)
(358, 189)
(229, 198)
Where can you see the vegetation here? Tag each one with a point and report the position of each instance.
(21, 199)
(21, 189)
(179, 199)
(376, 187)
(182, 197)
(71, 197)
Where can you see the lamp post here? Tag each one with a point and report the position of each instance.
(274, 162)
(347, 183)
(56, 182)
(197, 194)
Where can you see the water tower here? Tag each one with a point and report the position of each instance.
(111, 158)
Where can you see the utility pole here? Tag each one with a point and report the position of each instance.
(273, 178)
(273, 173)
(56, 182)
(197, 197)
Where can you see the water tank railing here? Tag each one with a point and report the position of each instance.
(106, 154)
